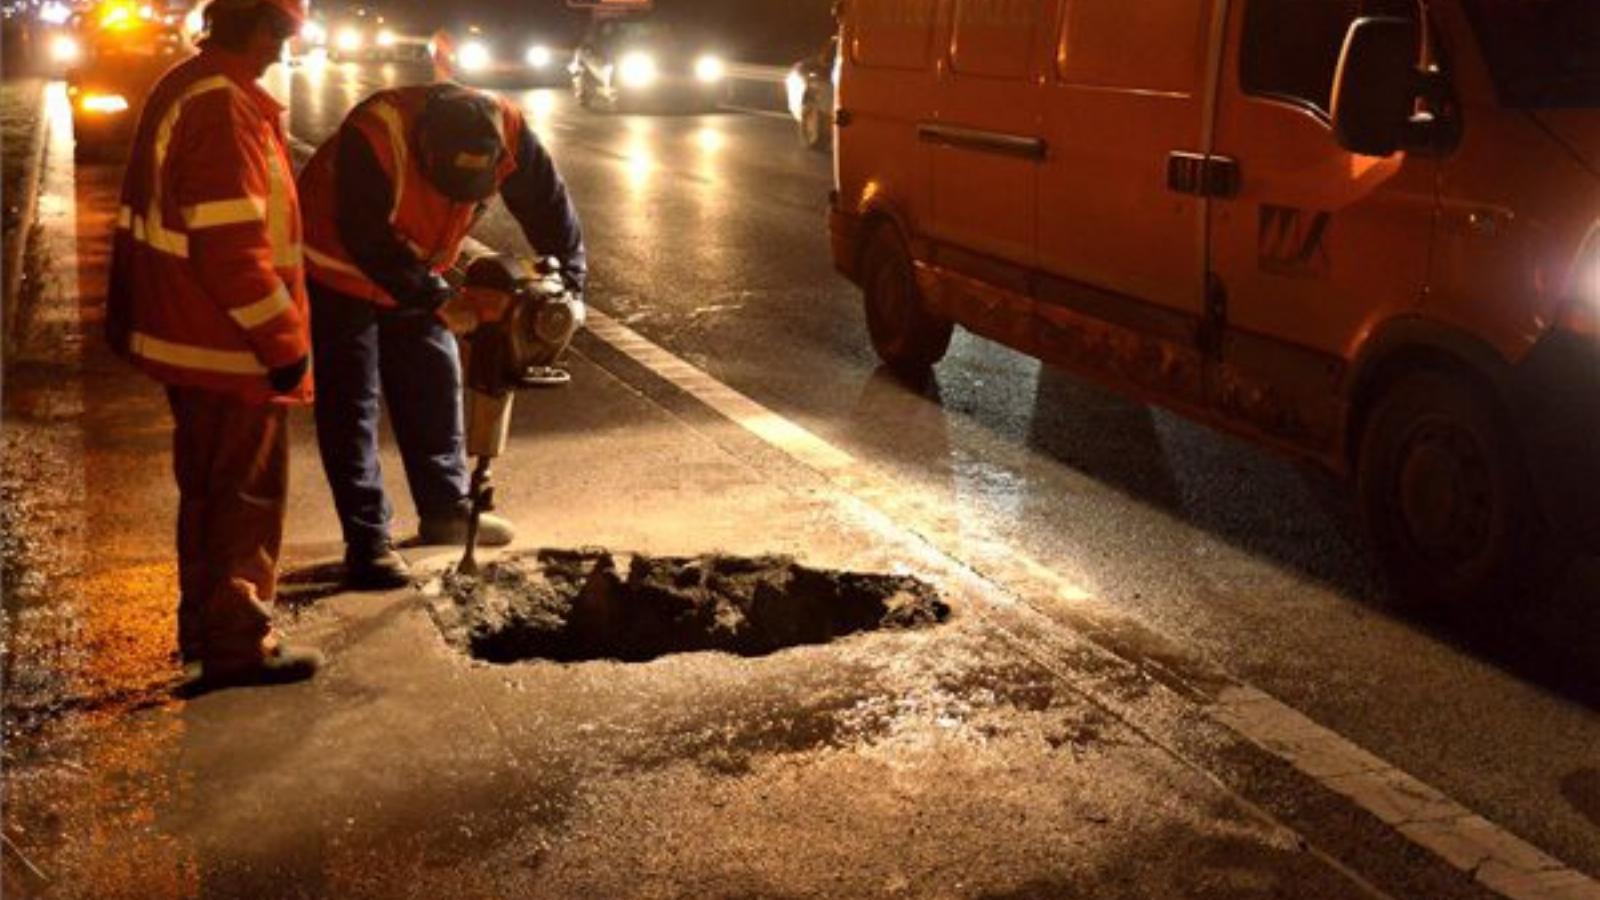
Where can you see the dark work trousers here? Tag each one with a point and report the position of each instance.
(231, 459)
(360, 353)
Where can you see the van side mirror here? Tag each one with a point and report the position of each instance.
(1375, 88)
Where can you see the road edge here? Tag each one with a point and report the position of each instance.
(17, 248)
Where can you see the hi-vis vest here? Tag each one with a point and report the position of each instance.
(431, 225)
(207, 288)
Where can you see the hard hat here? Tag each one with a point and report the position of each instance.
(459, 133)
(294, 9)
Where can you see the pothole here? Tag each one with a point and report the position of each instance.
(575, 605)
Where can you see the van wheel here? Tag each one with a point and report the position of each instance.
(906, 336)
(1444, 496)
(814, 131)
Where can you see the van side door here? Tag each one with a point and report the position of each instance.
(986, 146)
(1125, 96)
(1316, 247)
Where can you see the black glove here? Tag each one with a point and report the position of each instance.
(285, 379)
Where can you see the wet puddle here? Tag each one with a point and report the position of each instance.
(576, 605)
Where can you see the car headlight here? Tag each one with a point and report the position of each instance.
(1582, 313)
(386, 38)
(474, 56)
(637, 70)
(65, 49)
(348, 40)
(103, 104)
(710, 68)
(539, 56)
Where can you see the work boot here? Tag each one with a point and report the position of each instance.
(277, 663)
(493, 531)
(380, 570)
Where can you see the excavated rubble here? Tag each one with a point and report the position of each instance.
(574, 605)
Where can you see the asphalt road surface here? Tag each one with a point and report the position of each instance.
(708, 236)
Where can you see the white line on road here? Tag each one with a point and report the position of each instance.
(1493, 856)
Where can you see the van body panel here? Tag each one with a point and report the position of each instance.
(883, 169)
(1034, 192)
(983, 136)
(1126, 88)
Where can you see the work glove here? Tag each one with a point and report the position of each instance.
(471, 307)
(284, 379)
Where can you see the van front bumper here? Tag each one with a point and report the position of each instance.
(844, 231)
(1555, 394)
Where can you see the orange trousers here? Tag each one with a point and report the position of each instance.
(231, 459)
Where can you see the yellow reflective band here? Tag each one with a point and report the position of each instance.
(158, 238)
(390, 117)
(324, 261)
(154, 230)
(286, 252)
(473, 160)
(220, 213)
(263, 311)
(125, 218)
(201, 359)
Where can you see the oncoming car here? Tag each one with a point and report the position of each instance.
(367, 36)
(506, 53)
(639, 62)
(124, 55)
(809, 88)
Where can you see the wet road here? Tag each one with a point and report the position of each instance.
(707, 236)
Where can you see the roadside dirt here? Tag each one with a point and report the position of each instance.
(574, 605)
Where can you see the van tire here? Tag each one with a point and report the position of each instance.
(906, 336)
(1444, 495)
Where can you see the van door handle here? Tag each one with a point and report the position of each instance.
(1202, 174)
(984, 141)
(842, 117)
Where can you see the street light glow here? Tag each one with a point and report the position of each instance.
(539, 56)
(386, 38)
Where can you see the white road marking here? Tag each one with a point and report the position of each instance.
(1490, 854)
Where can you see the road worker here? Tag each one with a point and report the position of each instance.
(389, 201)
(207, 295)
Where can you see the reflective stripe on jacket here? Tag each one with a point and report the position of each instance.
(431, 226)
(207, 286)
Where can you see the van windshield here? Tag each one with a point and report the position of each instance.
(1545, 53)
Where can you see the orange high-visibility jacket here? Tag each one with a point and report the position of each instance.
(207, 286)
(431, 225)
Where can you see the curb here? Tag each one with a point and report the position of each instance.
(17, 249)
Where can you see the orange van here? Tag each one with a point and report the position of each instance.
(1365, 232)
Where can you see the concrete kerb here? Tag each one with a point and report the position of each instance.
(17, 247)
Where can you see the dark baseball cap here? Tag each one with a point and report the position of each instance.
(461, 142)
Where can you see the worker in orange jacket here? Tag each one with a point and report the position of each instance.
(389, 200)
(208, 297)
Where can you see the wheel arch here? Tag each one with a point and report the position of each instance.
(1409, 344)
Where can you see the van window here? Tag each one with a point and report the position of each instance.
(892, 34)
(1107, 43)
(993, 38)
(1291, 48)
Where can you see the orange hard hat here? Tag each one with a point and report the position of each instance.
(294, 9)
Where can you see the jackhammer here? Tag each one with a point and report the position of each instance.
(518, 351)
